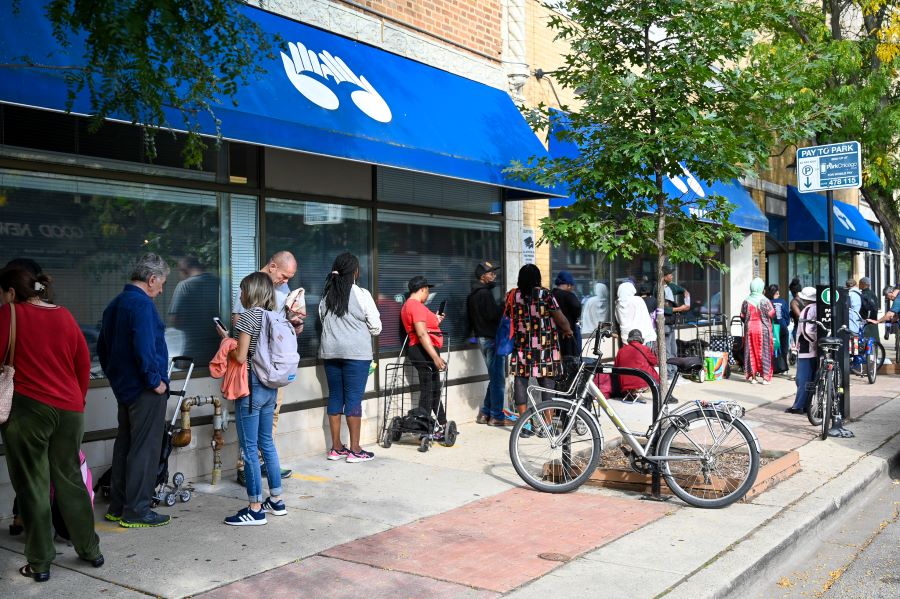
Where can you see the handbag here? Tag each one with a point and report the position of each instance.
(7, 372)
(503, 343)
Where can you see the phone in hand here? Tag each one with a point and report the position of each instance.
(440, 309)
(218, 323)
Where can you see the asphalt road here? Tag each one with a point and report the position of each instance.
(855, 557)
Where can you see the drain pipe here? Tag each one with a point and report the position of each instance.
(220, 424)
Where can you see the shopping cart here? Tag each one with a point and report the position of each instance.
(401, 393)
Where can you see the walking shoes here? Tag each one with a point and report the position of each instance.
(151, 520)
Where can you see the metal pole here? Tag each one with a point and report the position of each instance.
(832, 271)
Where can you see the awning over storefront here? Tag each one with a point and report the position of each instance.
(746, 214)
(321, 94)
(807, 221)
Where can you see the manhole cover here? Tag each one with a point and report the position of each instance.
(554, 557)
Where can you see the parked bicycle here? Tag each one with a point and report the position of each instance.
(707, 455)
(868, 356)
(825, 403)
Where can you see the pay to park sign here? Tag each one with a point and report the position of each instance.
(835, 166)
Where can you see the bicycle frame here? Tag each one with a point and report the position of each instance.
(629, 436)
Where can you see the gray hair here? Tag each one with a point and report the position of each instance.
(865, 281)
(147, 266)
(635, 335)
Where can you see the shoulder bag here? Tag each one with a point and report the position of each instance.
(504, 345)
(7, 372)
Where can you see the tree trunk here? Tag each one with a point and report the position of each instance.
(661, 256)
(881, 204)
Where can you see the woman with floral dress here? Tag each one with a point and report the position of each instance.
(756, 313)
(536, 322)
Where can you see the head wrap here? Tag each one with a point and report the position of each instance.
(756, 291)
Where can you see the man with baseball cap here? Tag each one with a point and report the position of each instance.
(484, 317)
(677, 300)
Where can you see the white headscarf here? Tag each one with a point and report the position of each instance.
(631, 312)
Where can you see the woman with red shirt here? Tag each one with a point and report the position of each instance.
(425, 341)
(43, 433)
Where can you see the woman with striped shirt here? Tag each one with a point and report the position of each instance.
(253, 414)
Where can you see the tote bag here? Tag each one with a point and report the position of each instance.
(7, 372)
(503, 344)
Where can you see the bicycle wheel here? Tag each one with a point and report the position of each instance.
(717, 458)
(814, 408)
(830, 398)
(879, 353)
(871, 367)
(547, 462)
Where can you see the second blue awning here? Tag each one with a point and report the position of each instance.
(746, 214)
(808, 221)
(322, 94)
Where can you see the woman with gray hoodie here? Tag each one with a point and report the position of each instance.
(349, 321)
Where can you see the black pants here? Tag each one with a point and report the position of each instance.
(520, 388)
(136, 455)
(429, 382)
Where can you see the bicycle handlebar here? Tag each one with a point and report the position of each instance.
(842, 329)
(603, 331)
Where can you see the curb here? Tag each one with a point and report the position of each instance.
(728, 572)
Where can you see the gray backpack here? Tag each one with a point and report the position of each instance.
(276, 358)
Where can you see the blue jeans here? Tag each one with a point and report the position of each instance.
(346, 385)
(806, 374)
(254, 431)
(495, 393)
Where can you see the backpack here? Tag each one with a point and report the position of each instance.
(276, 358)
(869, 307)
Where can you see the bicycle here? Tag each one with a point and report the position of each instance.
(869, 353)
(826, 401)
(707, 455)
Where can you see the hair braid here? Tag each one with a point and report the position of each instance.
(339, 283)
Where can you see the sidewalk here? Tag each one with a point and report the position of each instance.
(457, 522)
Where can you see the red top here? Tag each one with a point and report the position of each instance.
(636, 355)
(52, 362)
(414, 311)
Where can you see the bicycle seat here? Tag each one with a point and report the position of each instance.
(686, 365)
(831, 341)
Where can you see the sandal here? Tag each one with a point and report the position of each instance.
(28, 572)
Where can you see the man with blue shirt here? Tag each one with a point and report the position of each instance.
(892, 296)
(133, 354)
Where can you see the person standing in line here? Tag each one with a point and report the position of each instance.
(632, 315)
(535, 321)
(253, 414)
(349, 321)
(423, 328)
(645, 292)
(795, 306)
(780, 323)
(892, 300)
(870, 305)
(757, 313)
(855, 323)
(42, 435)
(807, 360)
(564, 293)
(677, 300)
(281, 268)
(133, 355)
(484, 315)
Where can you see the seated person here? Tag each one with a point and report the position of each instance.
(635, 355)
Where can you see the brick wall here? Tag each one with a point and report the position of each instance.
(472, 24)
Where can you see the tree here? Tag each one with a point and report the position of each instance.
(664, 86)
(853, 49)
(144, 56)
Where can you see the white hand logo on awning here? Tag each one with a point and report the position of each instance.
(307, 71)
(691, 182)
(839, 214)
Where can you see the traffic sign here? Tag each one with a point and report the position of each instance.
(834, 166)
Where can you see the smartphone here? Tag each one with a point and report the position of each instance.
(218, 323)
(441, 307)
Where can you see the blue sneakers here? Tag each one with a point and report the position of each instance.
(247, 517)
(276, 508)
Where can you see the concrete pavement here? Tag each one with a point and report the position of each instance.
(457, 522)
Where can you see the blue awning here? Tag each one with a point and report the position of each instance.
(807, 221)
(321, 94)
(746, 214)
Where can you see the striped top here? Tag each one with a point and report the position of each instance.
(250, 322)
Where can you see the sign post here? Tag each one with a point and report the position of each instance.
(826, 168)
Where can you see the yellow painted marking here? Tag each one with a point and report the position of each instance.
(107, 526)
(310, 478)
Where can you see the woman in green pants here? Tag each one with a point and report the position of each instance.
(43, 433)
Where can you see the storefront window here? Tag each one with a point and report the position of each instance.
(444, 250)
(591, 273)
(85, 233)
(812, 269)
(316, 234)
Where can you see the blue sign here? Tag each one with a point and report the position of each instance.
(835, 166)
